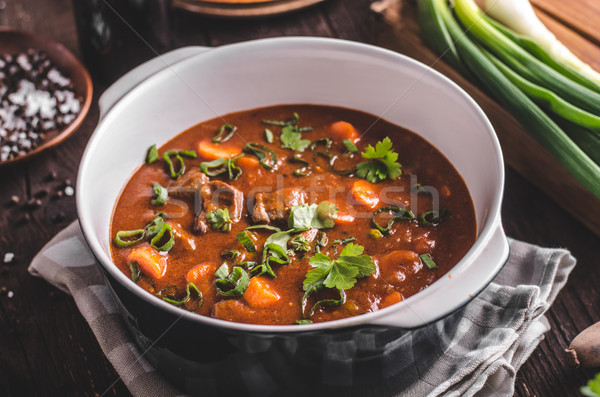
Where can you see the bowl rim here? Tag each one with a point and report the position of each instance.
(491, 225)
(44, 43)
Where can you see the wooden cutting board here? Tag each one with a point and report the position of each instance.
(570, 22)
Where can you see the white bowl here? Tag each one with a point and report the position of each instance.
(195, 85)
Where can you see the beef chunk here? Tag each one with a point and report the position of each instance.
(189, 183)
(275, 206)
(215, 195)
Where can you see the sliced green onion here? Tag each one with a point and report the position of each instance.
(136, 272)
(151, 154)
(155, 226)
(160, 194)
(268, 135)
(321, 303)
(233, 170)
(166, 247)
(231, 254)
(304, 322)
(428, 261)
(178, 156)
(350, 146)
(171, 299)
(126, 238)
(398, 214)
(261, 151)
(292, 121)
(433, 218)
(221, 166)
(219, 138)
(305, 170)
(266, 227)
(235, 284)
(222, 271)
(244, 238)
(344, 241)
(213, 168)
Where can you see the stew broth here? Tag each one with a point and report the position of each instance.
(402, 261)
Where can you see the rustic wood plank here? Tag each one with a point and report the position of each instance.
(583, 48)
(581, 16)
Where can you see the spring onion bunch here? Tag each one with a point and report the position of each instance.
(557, 104)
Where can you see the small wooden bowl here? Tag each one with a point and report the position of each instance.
(242, 8)
(12, 42)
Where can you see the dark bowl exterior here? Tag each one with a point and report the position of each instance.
(212, 361)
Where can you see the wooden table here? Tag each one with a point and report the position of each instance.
(46, 347)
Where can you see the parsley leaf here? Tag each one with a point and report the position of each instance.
(592, 388)
(291, 138)
(304, 217)
(383, 162)
(340, 273)
(219, 220)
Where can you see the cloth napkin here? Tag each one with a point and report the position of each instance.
(490, 337)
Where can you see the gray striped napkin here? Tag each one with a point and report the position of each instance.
(490, 337)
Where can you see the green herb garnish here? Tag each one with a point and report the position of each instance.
(160, 194)
(340, 273)
(221, 166)
(293, 121)
(398, 213)
(231, 285)
(350, 146)
(304, 170)
(231, 254)
(382, 164)
(125, 238)
(428, 261)
(261, 152)
(291, 138)
(304, 217)
(592, 388)
(300, 244)
(151, 154)
(178, 156)
(244, 238)
(226, 129)
(219, 220)
(171, 298)
(433, 218)
(268, 135)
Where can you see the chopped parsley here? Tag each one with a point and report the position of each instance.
(592, 388)
(382, 162)
(340, 274)
(291, 138)
(304, 217)
(219, 220)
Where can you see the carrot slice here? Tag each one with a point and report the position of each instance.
(345, 213)
(152, 264)
(210, 151)
(390, 299)
(248, 163)
(364, 193)
(259, 294)
(344, 130)
(200, 274)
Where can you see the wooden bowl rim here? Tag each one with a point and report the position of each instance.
(74, 67)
